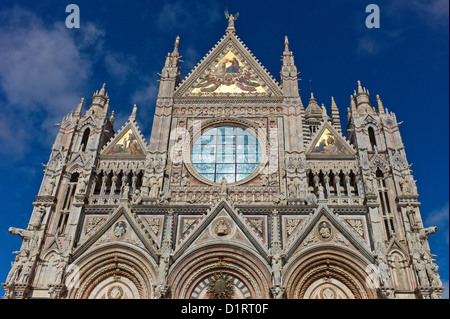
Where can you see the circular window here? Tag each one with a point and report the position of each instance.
(226, 151)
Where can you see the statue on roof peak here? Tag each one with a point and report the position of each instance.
(231, 18)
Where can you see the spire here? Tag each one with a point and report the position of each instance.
(335, 118)
(79, 108)
(289, 74)
(352, 104)
(100, 102)
(360, 89)
(102, 90)
(111, 119)
(362, 97)
(380, 105)
(313, 109)
(175, 46)
(288, 57)
(286, 44)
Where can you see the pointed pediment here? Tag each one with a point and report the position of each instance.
(121, 226)
(329, 143)
(54, 245)
(394, 244)
(128, 142)
(222, 223)
(324, 227)
(229, 69)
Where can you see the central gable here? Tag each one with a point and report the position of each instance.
(229, 69)
(229, 75)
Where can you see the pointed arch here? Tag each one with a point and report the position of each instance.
(372, 138)
(85, 139)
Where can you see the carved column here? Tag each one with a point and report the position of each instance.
(337, 181)
(326, 179)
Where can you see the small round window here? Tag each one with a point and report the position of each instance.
(226, 151)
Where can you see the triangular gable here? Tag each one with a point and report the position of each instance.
(395, 245)
(329, 143)
(221, 223)
(335, 231)
(128, 142)
(53, 245)
(229, 69)
(120, 226)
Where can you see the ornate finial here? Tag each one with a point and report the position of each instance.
(360, 90)
(333, 103)
(286, 43)
(176, 44)
(102, 91)
(79, 107)
(231, 18)
(380, 104)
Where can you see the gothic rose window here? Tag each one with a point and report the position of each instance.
(226, 151)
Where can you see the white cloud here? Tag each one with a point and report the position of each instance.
(43, 70)
(145, 99)
(178, 14)
(432, 12)
(119, 66)
(368, 45)
(439, 216)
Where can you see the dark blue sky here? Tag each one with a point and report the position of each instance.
(45, 69)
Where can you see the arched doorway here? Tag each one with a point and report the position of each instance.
(327, 275)
(220, 273)
(112, 272)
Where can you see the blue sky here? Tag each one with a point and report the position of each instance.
(46, 68)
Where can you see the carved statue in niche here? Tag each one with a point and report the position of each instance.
(369, 184)
(156, 186)
(37, 218)
(320, 192)
(126, 190)
(433, 274)
(82, 184)
(277, 266)
(405, 185)
(50, 185)
(383, 268)
(17, 266)
(60, 265)
(185, 179)
(421, 269)
(223, 186)
(292, 190)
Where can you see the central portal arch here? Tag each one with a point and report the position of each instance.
(217, 272)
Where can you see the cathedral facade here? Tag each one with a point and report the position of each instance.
(242, 191)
